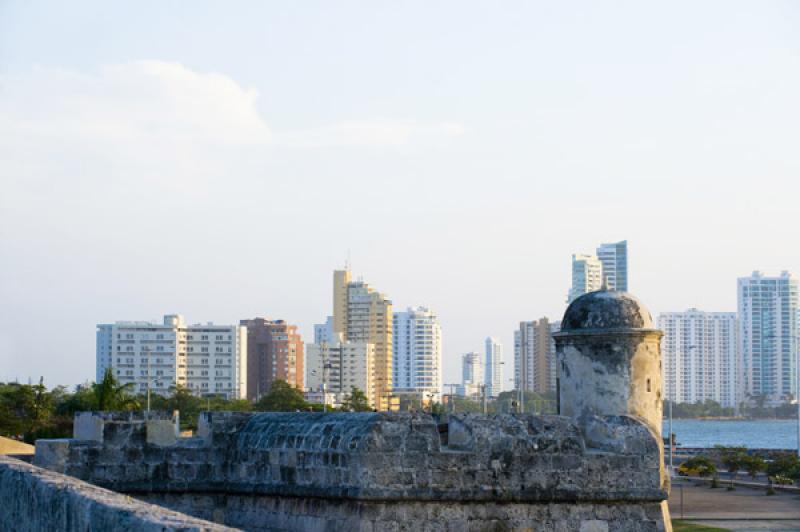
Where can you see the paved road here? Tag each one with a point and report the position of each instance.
(743, 510)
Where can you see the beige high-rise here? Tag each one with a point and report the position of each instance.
(341, 280)
(535, 356)
(364, 315)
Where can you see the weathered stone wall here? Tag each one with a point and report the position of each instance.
(609, 359)
(378, 456)
(601, 374)
(268, 513)
(34, 500)
(382, 471)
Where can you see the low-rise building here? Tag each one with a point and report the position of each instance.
(335, 368)
(274, 352)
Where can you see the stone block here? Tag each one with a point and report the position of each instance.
(161, 432)
(88, 426)
(52, 454)
(594, 525)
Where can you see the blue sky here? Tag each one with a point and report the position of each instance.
(219, 159)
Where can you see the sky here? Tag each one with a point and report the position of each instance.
(221, 159)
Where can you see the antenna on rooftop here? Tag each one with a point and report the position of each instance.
(347, 262)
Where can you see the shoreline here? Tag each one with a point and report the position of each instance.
(794, 418)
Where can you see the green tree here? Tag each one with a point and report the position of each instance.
(700, 464)
(184, 401)
(82, 400)
(29, 412)
(282, 397)
(785, 465)
(459, 404)
(533, 402)
(110, 395)
(437, 409)
(237, 405)
(24, 408)
(700, 409)
(733, 458)
(356, 402)
(754, 465)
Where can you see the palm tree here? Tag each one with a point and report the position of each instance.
(109, 394)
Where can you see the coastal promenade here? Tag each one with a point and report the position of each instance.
(745, 509)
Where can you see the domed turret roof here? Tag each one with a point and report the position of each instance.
(606, 309)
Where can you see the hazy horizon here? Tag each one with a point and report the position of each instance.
(220, 162)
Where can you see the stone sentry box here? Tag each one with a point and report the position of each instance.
(596, 467)
(609, 359)
(609, 362)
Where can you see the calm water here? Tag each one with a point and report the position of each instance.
(766, 434)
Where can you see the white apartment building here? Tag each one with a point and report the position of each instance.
(336, 367)
(493, 367)
(768, 309)
(208, 359)
(700, 353)
(417, 353)
(472, 375)
(587, 276)
(614, 257)
(535, 356)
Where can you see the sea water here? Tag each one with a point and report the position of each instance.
(756, 434)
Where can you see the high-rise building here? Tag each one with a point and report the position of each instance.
(339, 367)
(323, 332)
(207, 359)
(417, 357)
(472, 375)
(341, 283)
(587, 276)
(700, 354)
(274, 351)
(363, 315)
(614, 257)
(535, 356)
(493, 367)
(768, 308)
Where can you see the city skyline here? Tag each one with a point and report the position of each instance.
(325, 331)
(147, 147)
(708, 349)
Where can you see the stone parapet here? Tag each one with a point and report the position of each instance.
(380, 457)
(271, 514)
(34, 499)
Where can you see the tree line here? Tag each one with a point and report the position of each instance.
(712, 409)
(781, 468)
(31, 411)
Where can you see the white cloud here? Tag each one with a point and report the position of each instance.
(128, 130)
(373, 134)
(153, 108)
(142, 101)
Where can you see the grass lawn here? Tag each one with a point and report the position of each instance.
(684, 526)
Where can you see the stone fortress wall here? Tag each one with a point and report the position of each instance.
(598, 467)
(378, 471)
(33, 499)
